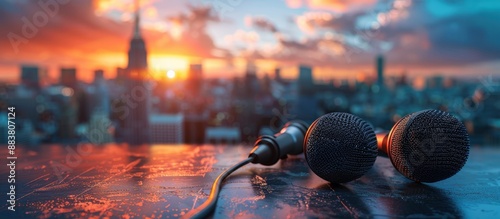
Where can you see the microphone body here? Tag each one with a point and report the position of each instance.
(340, 147)
(426, 146)
(269, 149)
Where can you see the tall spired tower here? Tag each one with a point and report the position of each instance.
(137, 54)
(136, 124)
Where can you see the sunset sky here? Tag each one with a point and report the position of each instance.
(340, 38)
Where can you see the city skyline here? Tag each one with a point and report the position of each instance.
(248, 31)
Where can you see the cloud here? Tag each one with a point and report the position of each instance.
(197, 17)
(72, 25)
(455, 40)
(408, 34)
(242, 36)
(333, 5)
(193, 39)
(261, 23)
(309, 22)
(78, 35)
(320, 49)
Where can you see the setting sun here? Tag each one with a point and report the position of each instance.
(171, 74)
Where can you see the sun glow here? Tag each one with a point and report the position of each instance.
(171, 66)
(169, 62)
(171, 74)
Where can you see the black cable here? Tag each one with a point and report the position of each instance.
(208, 206)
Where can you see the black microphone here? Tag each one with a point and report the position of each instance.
(426, 146)
(340, 147)
(270, 148)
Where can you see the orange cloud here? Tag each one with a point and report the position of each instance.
(128, 6)
(309, 21)
(242, 36)
(334, 5)
(77, 36)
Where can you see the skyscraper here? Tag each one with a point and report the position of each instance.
(74, 110)
(247, 103)
(30, 76)
(137, 54)
(305, 106)
(136, 125)
(98, 75)
(195, 79)
(100, 100)
(380, 71)
(305, 82)
(121, 74)
(251, 82)
(277, 75)
(68, 77)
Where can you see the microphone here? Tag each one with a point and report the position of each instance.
(269, 149)
(426, 146)
(340, 147)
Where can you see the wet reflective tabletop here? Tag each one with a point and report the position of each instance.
(166, 181)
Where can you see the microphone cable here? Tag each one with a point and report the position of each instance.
(267, 151)
(208, 206)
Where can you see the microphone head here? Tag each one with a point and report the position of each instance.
(340, 147)
(428, 146)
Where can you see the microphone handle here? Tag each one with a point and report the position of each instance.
(291, 138)
(382, 143)
(270, 148)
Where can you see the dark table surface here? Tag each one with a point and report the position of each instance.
(166, 181)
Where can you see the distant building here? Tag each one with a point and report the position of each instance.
(194, 80)
(489, 117)
(305, 106)
(194, 126)
(251, 82)
(25, 133)
(68, 117)
(306, 109)
(3, 127)
(223, 135)
(245, 104)
(48, 125)
(30, 76)
(166, 128)
(99, 94)
(74, 104)
(380, 71)
(137, 54)
(121, 74)
(68, 77)
(98, 75)
(277, 75)
(26, 107)
(98, 131)
(305, 80)
(434, 82)
(136, 123)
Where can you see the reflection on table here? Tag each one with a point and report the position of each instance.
(166, 181)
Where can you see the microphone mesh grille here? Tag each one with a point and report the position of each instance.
(429, 146)
(340, 147)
